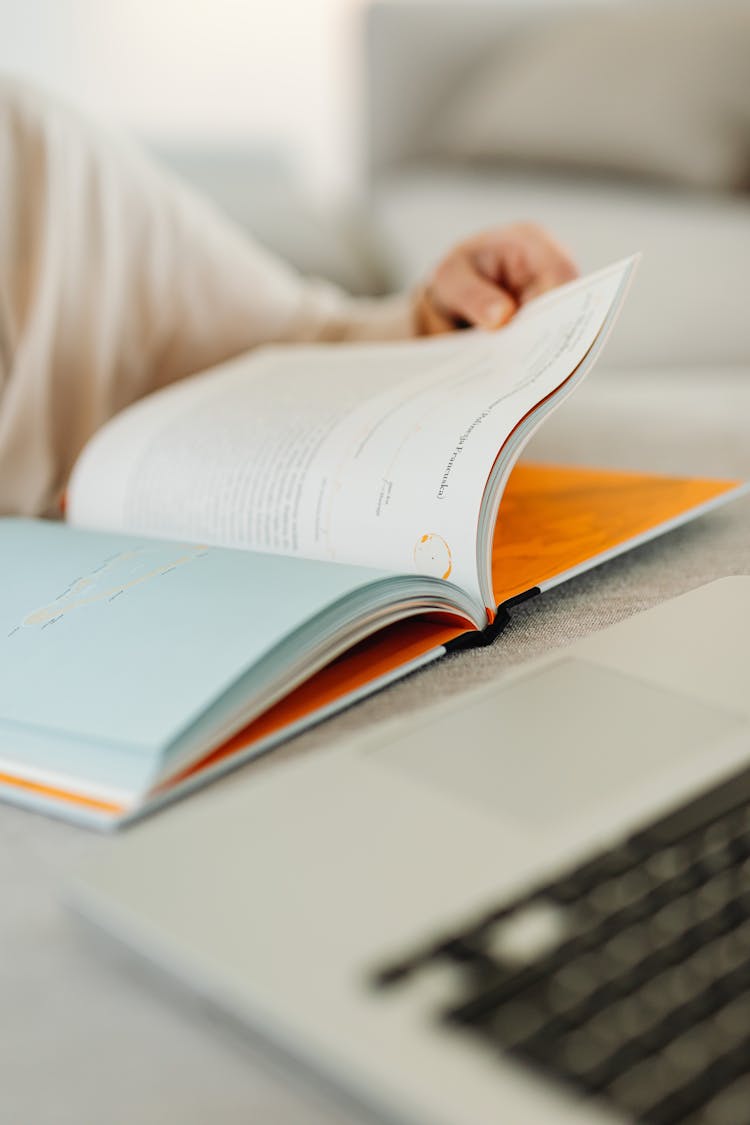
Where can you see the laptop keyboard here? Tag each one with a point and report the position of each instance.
(628, 977)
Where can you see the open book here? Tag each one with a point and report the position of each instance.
(260, 545)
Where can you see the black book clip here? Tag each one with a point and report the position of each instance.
(479, 638)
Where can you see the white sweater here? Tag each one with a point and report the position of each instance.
(115, 279)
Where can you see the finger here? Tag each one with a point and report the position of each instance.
(429, 321)
(460, 289)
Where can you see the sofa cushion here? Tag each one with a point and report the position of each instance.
(657, 90)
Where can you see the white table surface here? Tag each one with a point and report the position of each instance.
(88, 1036)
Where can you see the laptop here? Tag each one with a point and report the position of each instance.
(529, 904)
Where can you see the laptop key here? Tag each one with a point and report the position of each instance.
(730, 1107)
(645, 1085)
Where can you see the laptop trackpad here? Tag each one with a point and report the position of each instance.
(571, 736)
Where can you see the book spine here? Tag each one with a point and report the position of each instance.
(520, 598)
(480, 638)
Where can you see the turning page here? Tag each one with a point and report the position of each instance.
(370, 454)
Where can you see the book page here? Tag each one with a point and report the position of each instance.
(370, 454)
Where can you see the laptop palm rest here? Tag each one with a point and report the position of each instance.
(559, 741)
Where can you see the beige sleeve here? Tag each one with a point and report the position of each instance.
(115, 279)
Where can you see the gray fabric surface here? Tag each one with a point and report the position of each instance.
(86, 1035)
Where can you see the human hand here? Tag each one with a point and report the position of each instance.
(484, 280)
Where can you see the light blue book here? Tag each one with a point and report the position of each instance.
(124, 660)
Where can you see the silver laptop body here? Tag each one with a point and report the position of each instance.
(518, 906)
